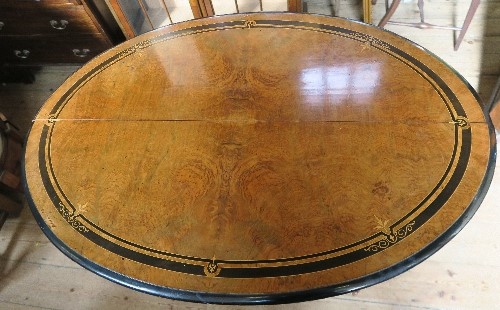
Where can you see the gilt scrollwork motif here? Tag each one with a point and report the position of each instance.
(250, 23)
(461, 122)
(52, 119)
(391, 237)
(127, 51)
(72, 216)
(370, 40)
(143, 44)
(134, 48)
(212, 269)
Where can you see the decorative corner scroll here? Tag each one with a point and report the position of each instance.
(391, 237)
(370, 41)
(250, 23)
(212, 269)
(71, 216)
(462, 122)
(127, 51)
(382, 225)
(132, 49)
(52, 118)
(143, 44)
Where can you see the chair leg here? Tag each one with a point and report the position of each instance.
(468, 18)
(495, 98)
(3, 217)
(390, 12)
(336, 7)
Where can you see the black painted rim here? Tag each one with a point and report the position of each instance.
(295, 296)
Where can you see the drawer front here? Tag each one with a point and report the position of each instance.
(21, 50)
(37, 18)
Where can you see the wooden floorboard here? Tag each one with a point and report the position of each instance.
(462, 275)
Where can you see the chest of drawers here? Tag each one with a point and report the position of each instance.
(48, 32)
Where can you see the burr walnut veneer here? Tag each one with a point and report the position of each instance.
(258, 158)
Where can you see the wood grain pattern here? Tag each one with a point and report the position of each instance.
(230, 174)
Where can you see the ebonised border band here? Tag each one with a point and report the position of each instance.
(293, 296)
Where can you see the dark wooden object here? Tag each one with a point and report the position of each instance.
(10, 155)
(258, 158)
(56, 31)
(10, 169)
(494, 105)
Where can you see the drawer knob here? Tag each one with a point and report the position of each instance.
(81, 53)
(1, 25)
(22, 54)
(59, 25)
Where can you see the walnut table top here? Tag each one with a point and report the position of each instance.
(258, 158)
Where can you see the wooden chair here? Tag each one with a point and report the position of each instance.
(424, 25)
(138, 16)
(10, 169)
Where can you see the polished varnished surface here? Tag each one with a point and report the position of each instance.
(258, 157)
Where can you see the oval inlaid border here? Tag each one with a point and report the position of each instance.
(462, 147)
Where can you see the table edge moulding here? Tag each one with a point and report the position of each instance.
(52, 208)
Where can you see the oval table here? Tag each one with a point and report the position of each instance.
(258, 158)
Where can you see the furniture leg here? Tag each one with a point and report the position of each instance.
(495, 97)
(3, 217)
(336, 7)
(390, 12)
(421, 11)
(295, 6)
(468, 18)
